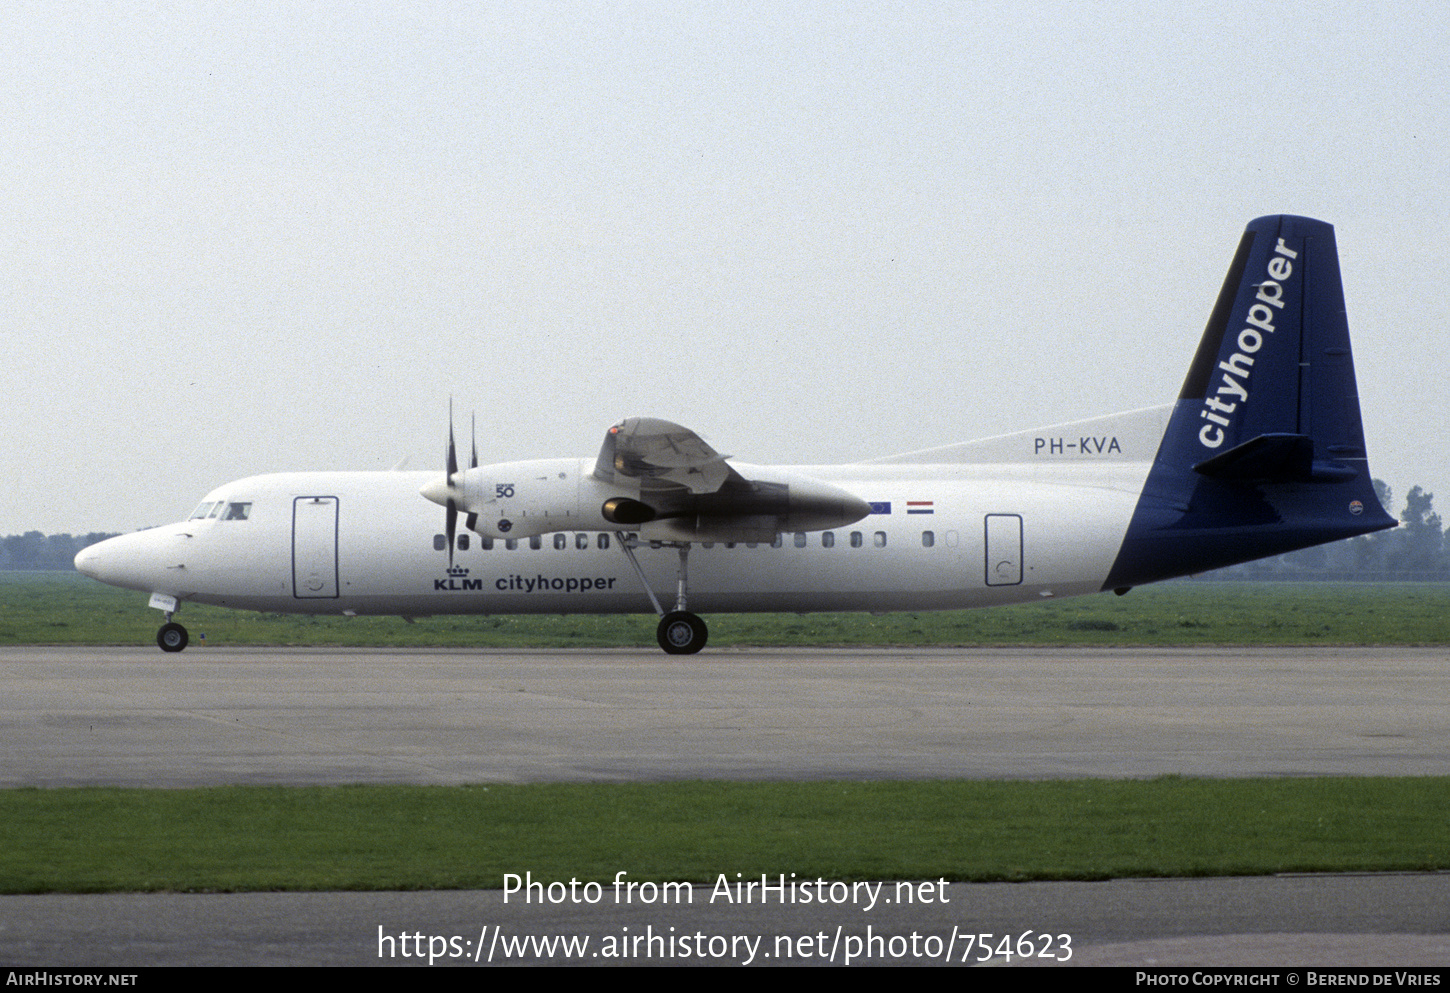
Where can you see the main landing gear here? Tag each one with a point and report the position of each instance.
(680, 632)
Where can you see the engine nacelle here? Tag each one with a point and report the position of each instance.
(523, 499)
(771, 501)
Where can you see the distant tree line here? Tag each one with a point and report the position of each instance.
(1418, 549)
(33, 550)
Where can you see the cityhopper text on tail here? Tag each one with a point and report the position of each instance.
(1261, 453)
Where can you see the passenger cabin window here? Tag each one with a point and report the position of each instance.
(561, 540)
(463, 542)
(879, 539)
(828, 539)
(800, 539)
(928, 539)
(440, 542)
(536, 542)
(856, 539)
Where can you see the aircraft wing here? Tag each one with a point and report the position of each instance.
(654, 454)
(687, 492)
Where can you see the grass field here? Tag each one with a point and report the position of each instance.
(421, 837)
(66, 608)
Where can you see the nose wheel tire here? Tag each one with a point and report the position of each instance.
(172, 637)
(682, 633)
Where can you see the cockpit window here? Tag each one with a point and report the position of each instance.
(221, 510)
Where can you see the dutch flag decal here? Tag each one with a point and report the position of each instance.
(920, 506)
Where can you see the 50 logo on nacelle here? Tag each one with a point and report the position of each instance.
(522, 499)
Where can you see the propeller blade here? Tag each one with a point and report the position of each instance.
(471, 522)
(451, 517)
(451, 526)
(452, 449)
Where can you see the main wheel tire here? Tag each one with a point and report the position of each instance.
(682, 633)
(172, 637)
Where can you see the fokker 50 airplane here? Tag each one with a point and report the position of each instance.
(1262, 453)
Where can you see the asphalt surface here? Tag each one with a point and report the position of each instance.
(136, 717)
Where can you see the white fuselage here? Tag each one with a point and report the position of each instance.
(941, 536)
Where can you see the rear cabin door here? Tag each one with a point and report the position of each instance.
(1004, 549)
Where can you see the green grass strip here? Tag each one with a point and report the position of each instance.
(424, 837)
(66, 608)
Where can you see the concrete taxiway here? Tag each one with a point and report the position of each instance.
(131, 716)
(136, 717)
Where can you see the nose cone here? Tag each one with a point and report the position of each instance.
(88, 560)
(137, 561)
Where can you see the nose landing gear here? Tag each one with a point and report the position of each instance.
(172, 637)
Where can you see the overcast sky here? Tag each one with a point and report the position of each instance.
(242, 238)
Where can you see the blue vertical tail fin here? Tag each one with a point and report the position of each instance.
(1264, 452)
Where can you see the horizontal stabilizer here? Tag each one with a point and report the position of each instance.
(1267, 458)
(1274, 458)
